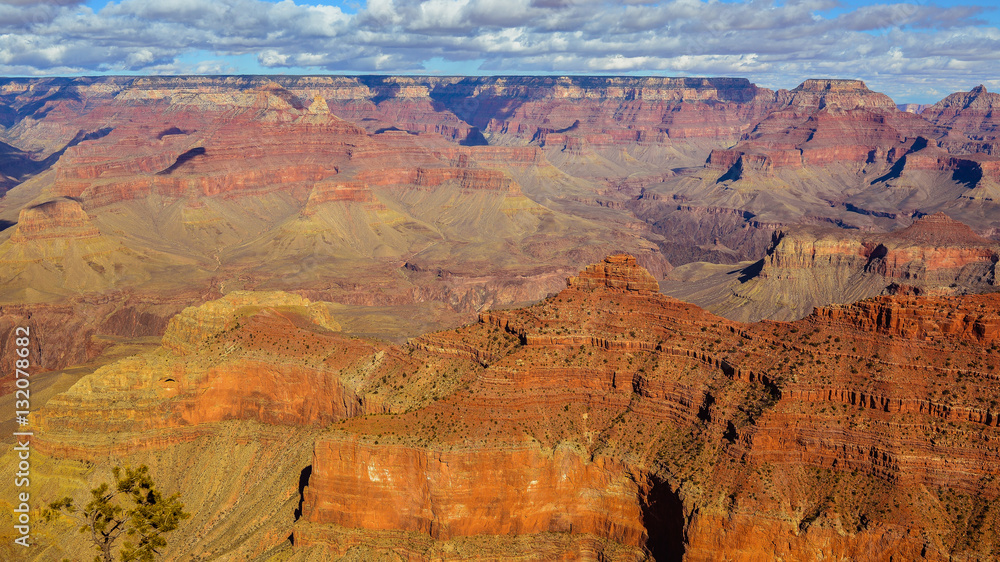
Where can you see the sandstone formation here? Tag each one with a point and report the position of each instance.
(827, 151)
(224, 411)
(606, 421)
(208, 185)
(619, 271)
(53, 219)
(971, 118)
(219, 361)
(832, 448)
(809, 267)
(275, 219)
(835, 153)
(825, 122)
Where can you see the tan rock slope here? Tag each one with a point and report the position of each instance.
(223, 411)
(608, 421)
(808, 267)
(675, 432)
(440, 196)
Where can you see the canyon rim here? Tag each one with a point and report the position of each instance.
(436, 280)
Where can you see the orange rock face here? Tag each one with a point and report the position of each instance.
(619, 271)
(219, 361)
(801, 431)
(825, 122)
(608, 421)
(922, 318)
(972, 114)
(54, 219)
(932, 246)
(455, 493)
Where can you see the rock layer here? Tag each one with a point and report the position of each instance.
(619, 271)
(603, 421)
(809, 267)
(715, 430)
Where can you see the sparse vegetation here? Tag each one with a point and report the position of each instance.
(130, 508)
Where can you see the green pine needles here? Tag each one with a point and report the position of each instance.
(131, 507)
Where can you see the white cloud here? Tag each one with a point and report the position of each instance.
(272, 58)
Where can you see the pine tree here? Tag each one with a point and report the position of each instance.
(132, 507)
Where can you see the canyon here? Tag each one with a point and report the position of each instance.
(811, 266)
(606, 421)
(510, 317)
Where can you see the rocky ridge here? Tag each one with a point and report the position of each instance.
(607, 421)
(809, 267)
(706, 419)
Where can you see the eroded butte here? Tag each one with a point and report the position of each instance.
(607, 421)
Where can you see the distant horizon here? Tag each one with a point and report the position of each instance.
(916, 51)
(750, 80)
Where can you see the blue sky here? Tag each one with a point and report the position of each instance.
(916, 51)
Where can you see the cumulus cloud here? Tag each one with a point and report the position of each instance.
(917, 43)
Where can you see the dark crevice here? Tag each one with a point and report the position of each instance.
(733, 173)
(705, 411)
(474, 138)
(897, 168)
(383, 91)
(751, 271)
(573, 127)
(36, 109)
(663, 517)
(730, 435)
(80, 137)
(303, 482)
(877, 254)
(391, 129)
(894, 172)
(187, 156)
(172, 131)
(288, 97)
(18, 164)
(968, 172)
(851, 208)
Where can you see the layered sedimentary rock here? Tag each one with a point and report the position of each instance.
(465, 492)
(809, 267)
(822, 447)
(620, 271)
(58, 218)
(931, 253)
(55, 250)
(834, 153)
(824, 122)
(921, 318)
(605, 421)
(222, 411)
(972, 118)
(582, 146)
(219, 361)
(192, 185)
